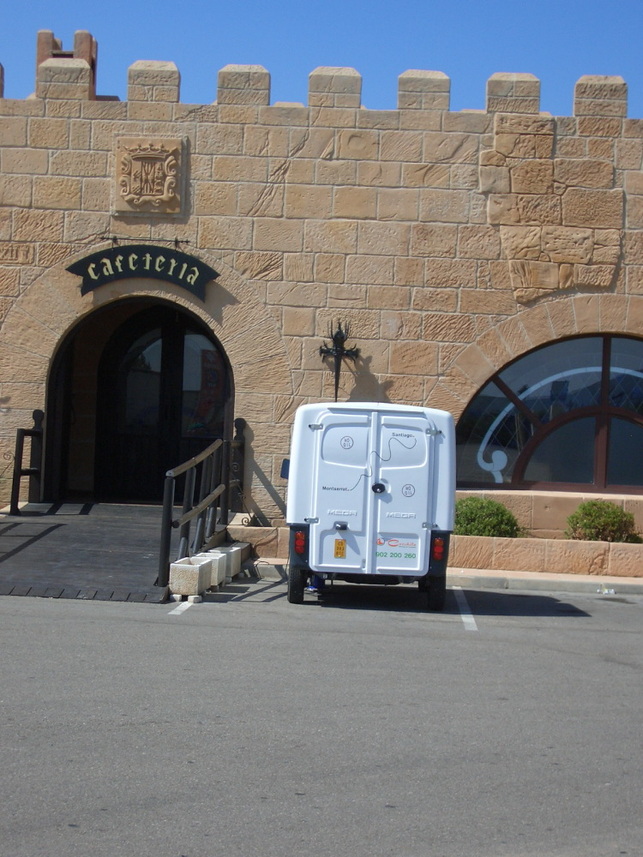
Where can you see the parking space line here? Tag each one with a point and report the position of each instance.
(180, 608)
(466, 615)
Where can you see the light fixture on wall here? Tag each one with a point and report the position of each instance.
(338, 350)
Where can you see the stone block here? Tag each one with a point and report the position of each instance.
(593, 208)
(330, 86)
(494, 179)
(153, 80)
(273, 233)
(423, 90)
(513, 93)
(565, 556)
(398, 204)
(372, 270)
(414, 358)
(451, 148)
(471, 552)
(583, 172)
(244, 84)
(521, 242)
(64, 78)
(519, 555)
(533, 176)
(567, 244)
(191, 575)
(25, 161)
(358, 144)
(594, 276)
(625, 560)
(450, 273)
(478, 242)
(597, 95)
(434, 239)
(57, 192)
(355, 203)
(446, 206)
(330, 267)
(551, 511)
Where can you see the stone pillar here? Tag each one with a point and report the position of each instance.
(152, 80)
(334, 87)
(596, 95)
(1, 81)
(423, 90)
(513, 93)
(244, 84)
(64, 79)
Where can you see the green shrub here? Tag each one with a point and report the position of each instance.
(601, 521)
(480, 516)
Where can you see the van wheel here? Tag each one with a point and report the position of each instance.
(296, 583)
(436, 590)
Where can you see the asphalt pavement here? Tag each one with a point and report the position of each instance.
(355, 725)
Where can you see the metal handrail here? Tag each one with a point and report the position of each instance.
(34, 471)
(213, 466)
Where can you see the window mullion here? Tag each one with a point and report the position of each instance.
(517, 401)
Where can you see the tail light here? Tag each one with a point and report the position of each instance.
(437, 548)
(299, 542)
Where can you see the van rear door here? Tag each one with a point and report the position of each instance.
(371, 503)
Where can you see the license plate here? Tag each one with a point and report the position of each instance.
(340, 548)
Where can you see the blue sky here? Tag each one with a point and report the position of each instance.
(469, 40)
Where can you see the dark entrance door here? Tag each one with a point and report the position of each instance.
(162, 393)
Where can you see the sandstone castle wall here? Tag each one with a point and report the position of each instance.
(451, 242)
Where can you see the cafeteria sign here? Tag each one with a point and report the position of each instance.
(143, 260)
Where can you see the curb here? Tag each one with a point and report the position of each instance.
(468, 578)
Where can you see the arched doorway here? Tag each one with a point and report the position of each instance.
(136, 388)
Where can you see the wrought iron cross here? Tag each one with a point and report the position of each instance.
(338, 350)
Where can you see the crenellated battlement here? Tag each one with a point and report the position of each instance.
(71, 75)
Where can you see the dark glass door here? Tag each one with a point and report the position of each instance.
(162, 395)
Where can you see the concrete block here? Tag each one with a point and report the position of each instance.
(191, 575)
(236, 554)
(220, 561)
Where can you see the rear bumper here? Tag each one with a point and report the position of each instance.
(299, 557)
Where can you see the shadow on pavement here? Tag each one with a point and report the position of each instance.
(408, 599)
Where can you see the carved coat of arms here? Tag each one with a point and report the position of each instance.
(148, 175)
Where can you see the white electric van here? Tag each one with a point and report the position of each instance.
(371, 496)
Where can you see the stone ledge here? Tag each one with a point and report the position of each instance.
(545, 556)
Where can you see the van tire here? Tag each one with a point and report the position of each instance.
(436, 590)
(296, 583)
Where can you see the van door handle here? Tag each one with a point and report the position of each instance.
(378, 488)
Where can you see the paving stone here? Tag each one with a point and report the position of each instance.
(53, 592)
(21, 589)
(70, 592)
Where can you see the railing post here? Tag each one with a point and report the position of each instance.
(166, 532)
(204, 490)
(211, 516)
(224, 507)
(17, 472)
(35, 459)
(188, 502)
(238, 461)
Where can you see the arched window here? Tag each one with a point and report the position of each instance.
(567, 415)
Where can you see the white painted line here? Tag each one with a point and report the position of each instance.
(180, 608)
(467, 616)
